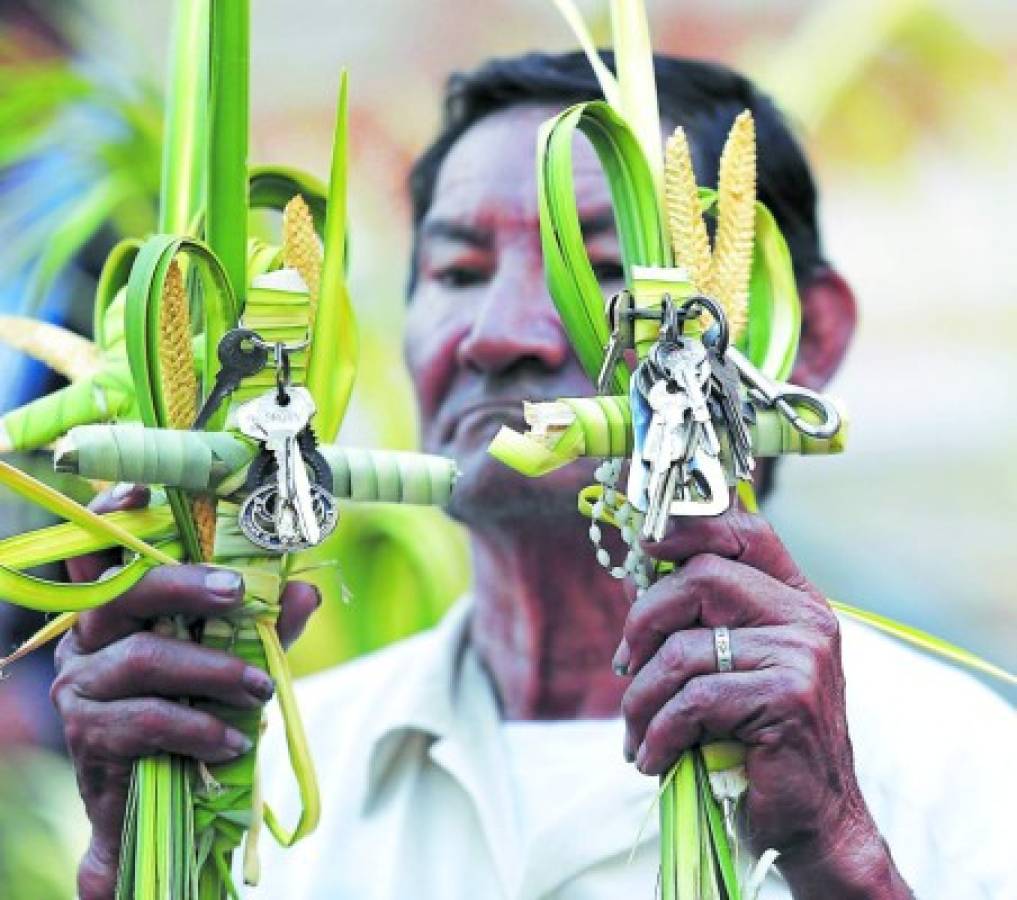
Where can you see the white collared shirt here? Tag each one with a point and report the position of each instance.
(421, 795)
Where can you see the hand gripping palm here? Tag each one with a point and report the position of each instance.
(714, 330)
(151, 364)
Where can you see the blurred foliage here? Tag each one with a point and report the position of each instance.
(869, 79)
(43, 831)
(79, 150)
(400, 566)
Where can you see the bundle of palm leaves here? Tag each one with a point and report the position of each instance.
(162, 305)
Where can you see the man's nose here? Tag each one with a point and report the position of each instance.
(515, 322)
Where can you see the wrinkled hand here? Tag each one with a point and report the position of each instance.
(116, 685)
(784, 700)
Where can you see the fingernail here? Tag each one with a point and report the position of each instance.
(641, 757)
(122, 491)
(237, 741)
(630, 754)
(258, 682)
(622, 656)
(225, 584)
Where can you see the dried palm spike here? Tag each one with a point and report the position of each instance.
(736, 224)
(176, 357)
(203, 508)
(63, 351)
(689, 239)
(301, 249)
(180, 385)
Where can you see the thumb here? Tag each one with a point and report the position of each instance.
(121, 496)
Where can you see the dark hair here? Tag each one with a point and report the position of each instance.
(703, 97)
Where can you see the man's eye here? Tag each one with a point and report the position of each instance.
(607, 272)
(459, 277)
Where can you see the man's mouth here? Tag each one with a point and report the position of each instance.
(505, 412)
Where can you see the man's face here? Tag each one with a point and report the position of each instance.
(482, 332)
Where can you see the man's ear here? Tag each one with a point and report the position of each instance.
(829, 314)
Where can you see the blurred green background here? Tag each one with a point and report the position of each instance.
(907, 110)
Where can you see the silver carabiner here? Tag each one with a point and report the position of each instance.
(789, 398)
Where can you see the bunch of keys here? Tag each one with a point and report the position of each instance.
(681, 392)
(676, 467)
(287, 508)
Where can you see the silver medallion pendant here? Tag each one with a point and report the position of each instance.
(286, 510)
(260, 516)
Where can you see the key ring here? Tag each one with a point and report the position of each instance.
(259, 341)
(720, 343)
(281, 359)
(282, 373)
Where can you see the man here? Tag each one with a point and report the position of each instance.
(485, 758)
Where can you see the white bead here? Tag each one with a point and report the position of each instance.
(619, 573)
(595, 533)
(610, 496)
(628, 535)
(623, 513)
(604, 558)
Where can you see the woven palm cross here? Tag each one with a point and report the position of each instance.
(667, 254)
(162, 306)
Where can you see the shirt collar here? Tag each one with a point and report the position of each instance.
(420, 698)
(442, 695)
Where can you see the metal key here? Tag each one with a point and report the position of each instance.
(666, 450)
(619, 314)
(702, 490)
(706, 492)
(241, 354)
(724, 388)
(278, 425)
(686, 361)
(642, 415)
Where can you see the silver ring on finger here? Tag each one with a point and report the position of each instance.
(722, 648)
